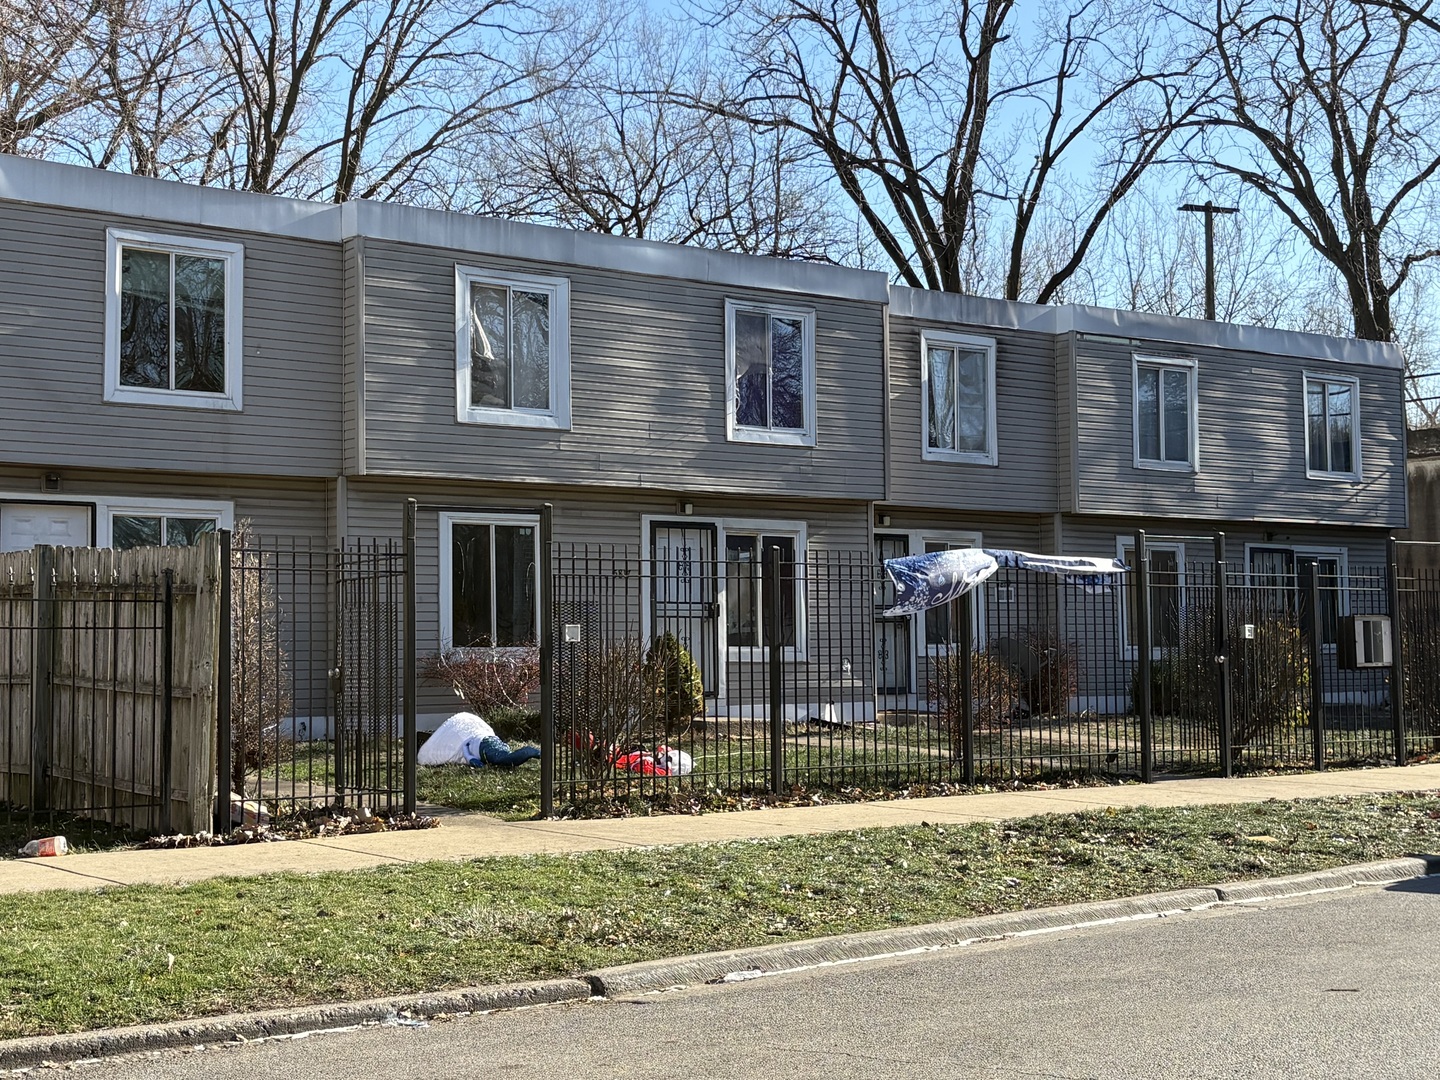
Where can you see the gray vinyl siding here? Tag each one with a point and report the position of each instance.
(1065, 420)
(276, 507)
(1108, 662)
(1365, 548)
(996, 530)
(647, 387)
(609, 522)
(52, 308)
(352, 377)
(1252, 441)
(1024, 476)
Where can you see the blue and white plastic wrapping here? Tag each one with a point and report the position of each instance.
(926, 581)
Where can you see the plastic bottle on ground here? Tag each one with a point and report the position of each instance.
(50, 845)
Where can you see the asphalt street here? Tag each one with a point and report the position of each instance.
(1339, 985)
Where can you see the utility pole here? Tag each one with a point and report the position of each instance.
(1210, 210)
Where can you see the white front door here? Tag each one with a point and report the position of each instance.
(23, 525)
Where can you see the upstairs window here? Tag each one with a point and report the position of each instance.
(770, 374)
(1332, 448)
(513, 349)
(958, 384)
(1166, 435)
(172, 321)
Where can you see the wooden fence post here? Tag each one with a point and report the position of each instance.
(42, 645)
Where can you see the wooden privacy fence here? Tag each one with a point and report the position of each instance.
(108, 662)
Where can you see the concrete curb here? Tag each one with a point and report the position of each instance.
(1342, 877)
(877, 944)
(244, 1027)
(874, 944)
(688, 970)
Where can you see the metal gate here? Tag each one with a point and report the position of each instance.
(319, 705)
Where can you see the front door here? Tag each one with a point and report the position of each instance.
(893, 648)
(683, 597)
(24, 525)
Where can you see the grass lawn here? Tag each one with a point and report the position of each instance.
(73, 961)
(511, 794)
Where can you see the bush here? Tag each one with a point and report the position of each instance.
(673, 679)
(259, 664)
(994, 693)
(490, 681)
(1269, 677)
(602, 701)
(1269, 680)
(1052, 674)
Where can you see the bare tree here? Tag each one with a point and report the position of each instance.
(617, 152)
(1330, 109)
(49, 69)
(982, 155)
(343, 99)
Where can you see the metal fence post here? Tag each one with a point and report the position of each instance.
(409, 661)
(775, 655)
(1223, 705)
(1144, 705)
(1397, 653)
(547, 662)
(42, 646)
(167, 730)
(1311, 622)
(965, 607)
(223, 734)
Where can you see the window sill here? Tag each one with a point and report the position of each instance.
(1333, 477)
(1167, 466)
(959, 457)
(761, 655)
(172, 399)
(766, 437)
(483, 651)
(513, 418)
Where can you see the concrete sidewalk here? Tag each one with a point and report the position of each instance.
(469, 836)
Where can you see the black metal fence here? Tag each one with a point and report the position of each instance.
(763, 669)
(319, 706)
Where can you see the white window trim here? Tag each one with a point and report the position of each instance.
(1130, 649)
(945, 338)
(1310, 551)
(233, 256)
(736, 432)
(1137, 361)
(800, 651)
(109, 509)
(557, 416)
(1318, 474)
(448, 520)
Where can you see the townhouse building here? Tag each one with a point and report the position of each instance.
(176, 359)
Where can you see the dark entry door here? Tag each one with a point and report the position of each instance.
(683, 598)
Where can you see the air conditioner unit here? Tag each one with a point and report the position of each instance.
(1365, 642)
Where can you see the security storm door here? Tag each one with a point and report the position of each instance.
(894, 648)
(683, 597)
(24, 525)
